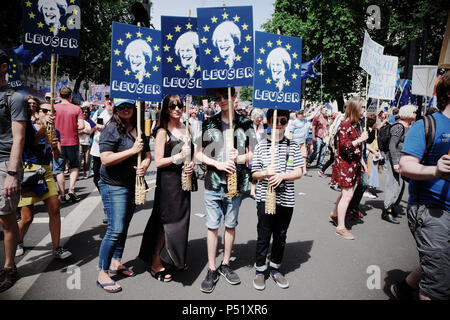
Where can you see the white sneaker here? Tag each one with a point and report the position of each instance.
(369, 195)
(20, 250)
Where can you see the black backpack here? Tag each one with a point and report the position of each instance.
(384, 136)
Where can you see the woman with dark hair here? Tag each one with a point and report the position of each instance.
(120, 143)
(33, 104)
(164, 244)
(85, 141)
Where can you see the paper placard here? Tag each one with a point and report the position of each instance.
(371, 53)
(384, 77)
(423, 80)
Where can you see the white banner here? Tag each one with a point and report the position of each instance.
(384, 77)
(371, 54)
(423, 80)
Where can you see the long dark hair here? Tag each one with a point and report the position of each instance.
(164, 117)
(121, 124)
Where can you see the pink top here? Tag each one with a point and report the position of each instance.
(66, 122)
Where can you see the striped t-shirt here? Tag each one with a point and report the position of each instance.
(261, 160)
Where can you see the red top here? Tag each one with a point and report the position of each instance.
(347, 165)
(66, 122)
(321, 126)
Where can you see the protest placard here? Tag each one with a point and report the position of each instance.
(423, 79)
(52, 26)
(277, 80)
(135, 63)
(13, 74)
(226, 46)
(181, 73)
(371, 54)
(384, 77)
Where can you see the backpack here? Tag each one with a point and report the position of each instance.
(429, 124)
(384, 136)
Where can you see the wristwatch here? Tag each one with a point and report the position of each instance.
(12, 173)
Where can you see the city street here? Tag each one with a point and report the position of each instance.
(318, 263)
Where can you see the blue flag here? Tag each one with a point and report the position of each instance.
(308, 68)
(27, 57)
(52, 26)
(278, 61)
(226, 46)
(135, 63)
(13, 74)
(180, 54)
(405, 96)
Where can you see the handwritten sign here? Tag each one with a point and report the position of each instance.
(52, 26)
(135, 63)
(278, 63)
(371, 55)
(384, 77)
(226, 46)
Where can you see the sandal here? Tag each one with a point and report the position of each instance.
(333, 220)
(161, 275)
(123, 271)
(103, 285)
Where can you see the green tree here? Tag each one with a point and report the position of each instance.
(246, 94)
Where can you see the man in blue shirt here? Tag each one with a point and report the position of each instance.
(299, 131)
(429, 202)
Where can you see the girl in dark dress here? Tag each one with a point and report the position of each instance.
(164, 243)
(349, 162)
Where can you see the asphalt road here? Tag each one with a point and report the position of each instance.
(317, 263)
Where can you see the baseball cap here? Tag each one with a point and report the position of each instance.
(118, 102)
(3, 57)
(48, 95)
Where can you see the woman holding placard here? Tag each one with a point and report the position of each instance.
(164, 243)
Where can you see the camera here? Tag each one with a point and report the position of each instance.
(281, 187)
(100, 121)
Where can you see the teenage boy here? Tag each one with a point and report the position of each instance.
(223, 155)
(281, 175)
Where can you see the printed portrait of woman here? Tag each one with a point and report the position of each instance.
(278, 62)
(225, 38)
(52, 12)
(139, 54)
(185, 48)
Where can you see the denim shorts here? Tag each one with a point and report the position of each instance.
(71, 153)
(218, 205)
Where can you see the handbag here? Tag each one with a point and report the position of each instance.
(35, 181)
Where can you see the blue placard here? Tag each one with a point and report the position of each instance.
(13, 74)
(52, 26)
(226, 46)
(135, 63)
(181, 73)
(278, 72)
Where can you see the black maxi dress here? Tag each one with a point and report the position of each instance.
(170, 215)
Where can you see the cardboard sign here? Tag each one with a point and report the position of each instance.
(52, 26)
(278, 68)
(181, 73)
(135, 63)
(371, 54)
(98, 93)
(423, 80)
(384, 78)
(226, 46)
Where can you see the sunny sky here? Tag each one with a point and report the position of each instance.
(262, 9)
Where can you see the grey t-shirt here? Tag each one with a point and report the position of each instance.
(15, 111)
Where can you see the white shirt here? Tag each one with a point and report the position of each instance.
(95, 148)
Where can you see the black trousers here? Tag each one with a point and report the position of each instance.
(96, 164)
(272, 225)
(330, 161)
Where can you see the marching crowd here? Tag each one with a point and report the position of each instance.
(359, 145)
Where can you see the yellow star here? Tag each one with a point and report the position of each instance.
(189, 26)
(287, 83)
(75, 11)
(268, 80)
(216, 59)
(227, 62)
(177, 67)
(28, 3)
(63, 28)
(208, 51)
(177, 28)
(11, 60)
(261, 72)
(169, 36)
(277, 85)
(14, 65)
(236, 18)
(248, 38)
(128, 35)
(238, 58)
(40, 25)
(294, 55)
(204, 40)
(198, 68)
(158, 58)
(72, 1)
(120, 42)
(214, 19)
(225, 16)
(32, 15)
(119, 63)
(155, 47)
(262, 50)
(288, 47)
(279, 42)
(269, 44)
(116, 52)
(244, 26)
(147, 74)
(10, 76)
(149, 39)
(169, 59)
(72, 21)
(245, 49)
(51, 29)
(259, 61)
(155, 68)
(297, 66)
(127, 72)
(206, 28)
(188, 71)
(138, 34)
(136, 76)
(294, 76)
(166, 48)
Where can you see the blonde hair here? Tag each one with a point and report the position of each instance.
(353, 109)
(407, 112)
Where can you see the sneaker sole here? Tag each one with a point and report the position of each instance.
(230, 282)
(65, 256)
(394, 293)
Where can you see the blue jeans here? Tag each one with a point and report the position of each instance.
(119, 207)
(218, 205)
(319, 149)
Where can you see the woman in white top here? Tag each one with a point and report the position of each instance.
(84, 135)
(257, 117)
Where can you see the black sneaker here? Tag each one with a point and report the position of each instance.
(210, 281)
(7, 278)
(228, 274)
(73, 196)
(62, 253)
(400, 292)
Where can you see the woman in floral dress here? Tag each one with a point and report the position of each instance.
(349, 163)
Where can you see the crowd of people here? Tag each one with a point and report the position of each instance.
(359, 146)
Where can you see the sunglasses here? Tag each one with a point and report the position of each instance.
(124, 106)
(45, 111)
(219, 97)
(282, 121)
(176, 106)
